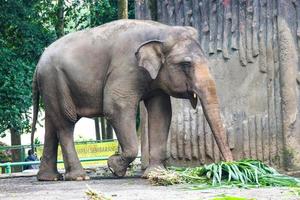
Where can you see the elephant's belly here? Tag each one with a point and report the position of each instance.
(89, 106)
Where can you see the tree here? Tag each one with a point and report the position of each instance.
(123, 9)
(60, 21)
(26, 28)
(22, 40)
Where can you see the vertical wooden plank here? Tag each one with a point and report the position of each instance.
(298, 27)
(212, 26)
(144, 136)
(208, 142)
(259, 137)
(187, 12)
(171, 13)
(266, 139)
(275, 32)
(173, 140)
(230, 137)
(196, 16)
(262, 36)
(252, 137)
(194, 136)
(203, 5)
(220, 17)
(165, 17)
(179, 12)
(270, 82)
(187, 133)
(227, 28)
(159, 11)
(277, 86)
(255, 25)
(249, 33)
(201, 134)
(239, 141)
(297, 5)
(137, 9)
(235, 24)
(242, 32)
(246, 139)
(180, 136)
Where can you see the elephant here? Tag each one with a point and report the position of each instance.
(106, 71)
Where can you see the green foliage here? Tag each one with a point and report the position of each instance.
(226, 197)
(22, 40)
(244, 173)
(26, 28)
(89, 13)
(5, 155)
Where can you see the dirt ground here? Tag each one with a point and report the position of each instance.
(133, 188)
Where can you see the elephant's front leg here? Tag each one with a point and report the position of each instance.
(123, 121)
(159, 119)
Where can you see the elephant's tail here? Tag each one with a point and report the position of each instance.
(35, 102)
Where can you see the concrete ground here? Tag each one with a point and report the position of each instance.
(131, 188)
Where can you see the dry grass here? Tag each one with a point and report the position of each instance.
(92, 195)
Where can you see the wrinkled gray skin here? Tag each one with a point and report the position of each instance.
(107, 71)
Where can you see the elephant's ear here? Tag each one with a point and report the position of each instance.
(150, 56)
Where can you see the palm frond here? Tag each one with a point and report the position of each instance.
(243, 173)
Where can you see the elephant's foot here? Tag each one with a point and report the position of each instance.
(117, 165)
(76, 175)
(49, 176)
(153, 168)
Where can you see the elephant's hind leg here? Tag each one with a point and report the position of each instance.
(73, 167)
(124, 125)
(48, 169)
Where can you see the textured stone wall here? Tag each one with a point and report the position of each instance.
(253, 48)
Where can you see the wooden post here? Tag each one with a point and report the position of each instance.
(122, 9)
(59, 26)
(97, 128)
(16, 153)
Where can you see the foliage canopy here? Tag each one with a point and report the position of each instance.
(26, 28)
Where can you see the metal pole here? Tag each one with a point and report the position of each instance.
(8, 168)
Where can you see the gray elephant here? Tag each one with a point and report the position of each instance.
(107, 71)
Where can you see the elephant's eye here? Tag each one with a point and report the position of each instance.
(185, 64)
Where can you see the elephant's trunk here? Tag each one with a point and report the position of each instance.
(205, 88)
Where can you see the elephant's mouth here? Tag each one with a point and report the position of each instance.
(193, 99)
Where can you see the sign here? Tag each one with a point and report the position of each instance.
(88, 150)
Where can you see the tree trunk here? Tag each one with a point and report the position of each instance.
(59, 26)
(16, 153)
(109, 130)
(97, 128)
(123, 9)
(103, 130)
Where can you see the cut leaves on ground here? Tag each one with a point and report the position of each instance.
(243, 173)
(226, 197)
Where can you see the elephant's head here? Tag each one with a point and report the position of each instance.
(179, 67)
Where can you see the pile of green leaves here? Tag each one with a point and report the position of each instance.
(244, 173)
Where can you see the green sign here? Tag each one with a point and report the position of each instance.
(87, 150)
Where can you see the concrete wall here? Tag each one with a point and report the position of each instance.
(253, 48)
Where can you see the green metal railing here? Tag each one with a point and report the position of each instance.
(3, 148)
(8, 165)
(22, 148)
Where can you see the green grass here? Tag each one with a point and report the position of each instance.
(243, 173)
(226, 197)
